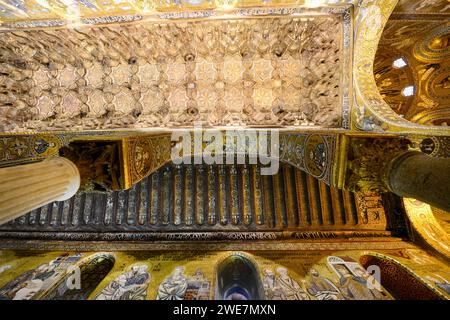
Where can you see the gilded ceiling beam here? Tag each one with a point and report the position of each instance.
(135, 156)
(339, 159)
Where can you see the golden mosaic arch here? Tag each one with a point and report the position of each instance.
(371, 112)
(425, 224)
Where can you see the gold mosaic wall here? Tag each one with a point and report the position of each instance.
(319, 275)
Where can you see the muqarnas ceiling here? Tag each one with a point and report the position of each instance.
(255, 71)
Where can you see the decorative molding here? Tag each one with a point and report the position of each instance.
(312, 153)
(112, 19)
(191, 236)
(18, 149)
(100, 18)
(391, 244)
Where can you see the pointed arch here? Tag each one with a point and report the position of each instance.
(92, 270)
(67, 277)
(401, 282)
(237, 278)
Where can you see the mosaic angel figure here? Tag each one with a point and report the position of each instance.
(355, 283)
(355, 286)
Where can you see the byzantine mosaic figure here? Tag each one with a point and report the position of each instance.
(131, 285)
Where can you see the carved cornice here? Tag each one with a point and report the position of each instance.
(363, 244)
(193, 236)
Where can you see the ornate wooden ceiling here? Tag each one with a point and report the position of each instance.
(278, 70)
(205, 198)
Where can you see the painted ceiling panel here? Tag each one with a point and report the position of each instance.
(282, 70)
(199, 198)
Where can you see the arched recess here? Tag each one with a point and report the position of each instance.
(93, 270)
(392, 80)
(400, 281)
(371, 112)
(237, 278)
(57, 279)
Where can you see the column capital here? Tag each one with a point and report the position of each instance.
(367, 162)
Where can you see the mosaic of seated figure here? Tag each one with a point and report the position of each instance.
(251, 72)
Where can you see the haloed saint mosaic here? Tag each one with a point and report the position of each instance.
(198, 276)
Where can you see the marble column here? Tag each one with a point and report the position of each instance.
(417, 175)
(30, 186)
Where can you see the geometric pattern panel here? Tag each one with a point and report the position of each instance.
(254, 71)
